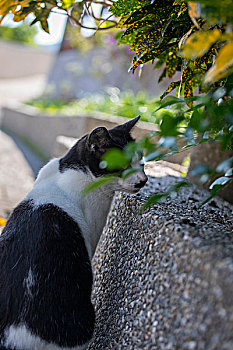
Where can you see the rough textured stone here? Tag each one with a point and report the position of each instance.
(164, 278)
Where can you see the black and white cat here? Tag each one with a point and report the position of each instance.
(47, 245)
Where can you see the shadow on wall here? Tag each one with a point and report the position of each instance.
(33, 160)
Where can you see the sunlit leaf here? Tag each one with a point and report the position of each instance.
(122, 8)
(185, 164)
(2, 222)
(223, 62)
(199, 43)
(194, 9)
(66, 4)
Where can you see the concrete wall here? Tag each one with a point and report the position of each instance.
(19, 60)
(43, 129)
(164, 278)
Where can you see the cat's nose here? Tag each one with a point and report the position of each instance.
(142, 182)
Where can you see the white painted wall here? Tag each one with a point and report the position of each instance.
(19, 60)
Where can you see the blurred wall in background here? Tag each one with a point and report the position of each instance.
(18, 60)
(23, 71)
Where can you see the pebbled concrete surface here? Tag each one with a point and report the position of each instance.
(164, 278)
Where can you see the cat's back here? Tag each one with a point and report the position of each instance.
(45, 275)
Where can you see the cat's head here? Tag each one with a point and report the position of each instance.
(87, 153)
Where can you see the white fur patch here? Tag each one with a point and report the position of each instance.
(64, 190)
(21, 338)
(29, 282)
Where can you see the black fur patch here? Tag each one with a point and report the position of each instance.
(75, 157)
(57, 306)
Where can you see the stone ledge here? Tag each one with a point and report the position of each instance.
(43, 130)
(164, 278)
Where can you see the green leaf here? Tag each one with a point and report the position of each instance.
(168, 126)
(216, 11)
(158, 196)
(115, 159)
(221, 181)
(168, 142)
(172, 62)
(201, 169)
(138, 25)
(152, 200)
(139, 14)
(97, 183)
(152, 156)
(132, 150)
(229, 172)
(189, 136)
(206, 201)
(130, 171)
(122, 8)
(162, 76)
(195, 121)
(171, 87)
(214, 191)
(225, 165)
(169, 101)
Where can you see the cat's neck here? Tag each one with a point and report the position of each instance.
(64, 189)
(94, 206)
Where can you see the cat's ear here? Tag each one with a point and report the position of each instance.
(99, 138)
(127, 127)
